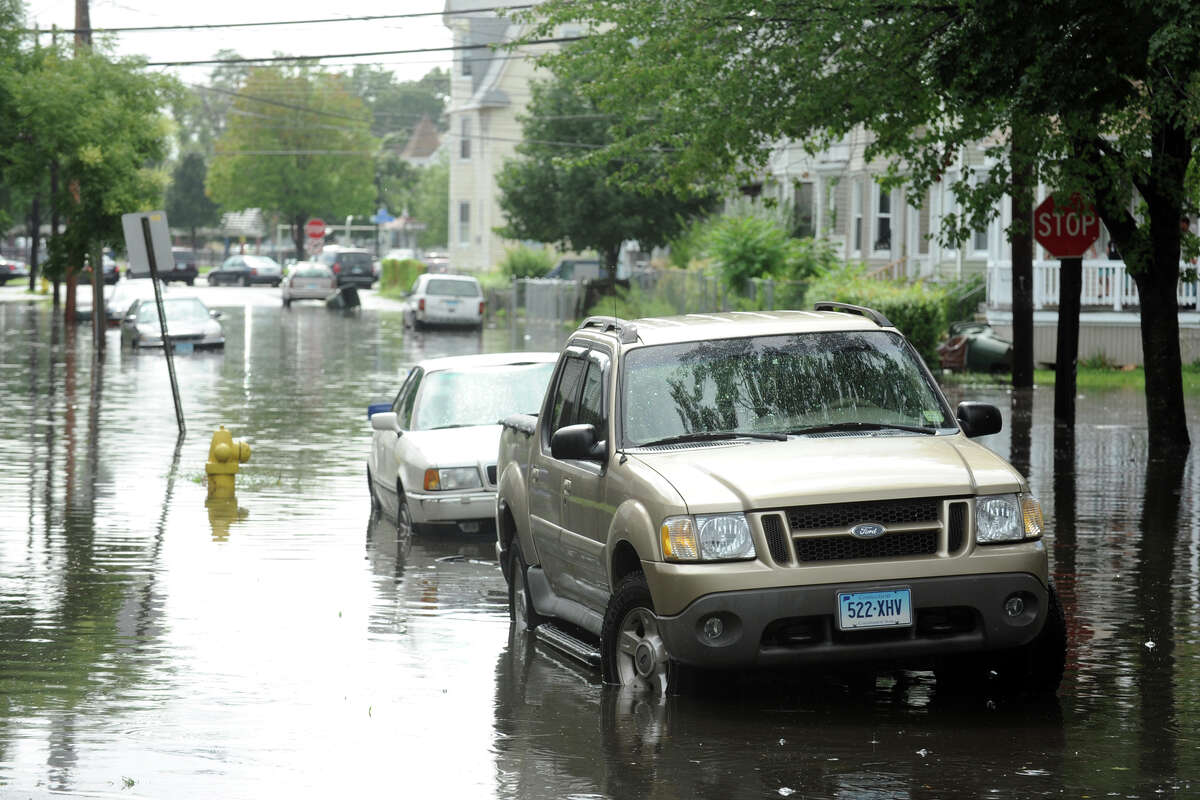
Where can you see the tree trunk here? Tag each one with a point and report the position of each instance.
(54, 220)
(298, 237)
(35, 225)
(1023, 183)
(1165, 414)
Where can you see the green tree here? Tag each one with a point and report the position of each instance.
(397, 106)
(312, 155)
(548, 195)
(201, 110)
(1104, 95)
(430, 204)
(187, 204)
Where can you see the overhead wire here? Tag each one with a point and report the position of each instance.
(268, 23)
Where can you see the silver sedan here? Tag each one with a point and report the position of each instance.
(307, 280)
(433, 449)
(190, 324)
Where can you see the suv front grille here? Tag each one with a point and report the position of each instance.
(844, 515)
(844, 548)
(821, 533)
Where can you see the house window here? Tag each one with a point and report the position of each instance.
(464, 223)
(465, 61)
(883, 221)
(979, 241)
(804, 224)
(464, 147)
(856, 217)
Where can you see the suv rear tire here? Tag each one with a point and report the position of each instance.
(520, 604)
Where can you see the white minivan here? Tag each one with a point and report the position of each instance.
(452, 300)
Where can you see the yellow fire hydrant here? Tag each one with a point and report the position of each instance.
(224, 455)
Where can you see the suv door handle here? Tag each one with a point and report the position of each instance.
(566, 487)
(537, 473)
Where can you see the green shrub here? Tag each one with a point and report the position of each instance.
(525, 262)
(396, 276)
(631, 303)
(918, 310)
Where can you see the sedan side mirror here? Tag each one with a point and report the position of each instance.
(386, 421)
(979, 419)
(578, 442)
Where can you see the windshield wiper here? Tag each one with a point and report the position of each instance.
(715, 436)
(862, 426)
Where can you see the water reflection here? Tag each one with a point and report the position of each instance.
(269, 648)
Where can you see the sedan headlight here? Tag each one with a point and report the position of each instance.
(451, 479)
(1007, 518)
(707, 537)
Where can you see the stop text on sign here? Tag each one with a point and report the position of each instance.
(1066, 231)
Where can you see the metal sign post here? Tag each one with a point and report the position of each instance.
(147, 240)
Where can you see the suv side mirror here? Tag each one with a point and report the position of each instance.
(578, 442)
(979, 419)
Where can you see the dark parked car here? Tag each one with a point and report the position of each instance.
(111, 273)
(11, 269)
(184, 269)
(352, 266)
(243, 270)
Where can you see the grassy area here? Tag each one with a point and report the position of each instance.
(1087, 378)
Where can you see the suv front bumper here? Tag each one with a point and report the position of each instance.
(797, 625)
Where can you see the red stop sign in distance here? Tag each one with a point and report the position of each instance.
(1065, 232)
(315, 228)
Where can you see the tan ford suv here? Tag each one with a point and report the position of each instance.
(754, 489)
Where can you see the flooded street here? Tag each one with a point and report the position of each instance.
(289, 645)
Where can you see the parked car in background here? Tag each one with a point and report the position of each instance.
(184, 269)
(433, 452)
(307, 280)
(402, 254)
(120, 297)
(436, 261)
(576, 269)
(244, 270)
(454, 300)
(111, 273)
(352, 266)
(11, 269)
(190, 324)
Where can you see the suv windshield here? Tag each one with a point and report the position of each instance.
(777, 384)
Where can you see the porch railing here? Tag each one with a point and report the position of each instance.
(1105, 285)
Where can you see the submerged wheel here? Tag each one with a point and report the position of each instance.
(375, 504)
(632, 650)
(404, 524)
(1034, 669)
(520, 604)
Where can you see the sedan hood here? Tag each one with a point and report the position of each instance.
(811, 470)
(476, 444)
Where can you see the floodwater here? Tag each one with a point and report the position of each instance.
(288, 645)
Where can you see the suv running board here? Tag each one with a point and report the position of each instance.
(566, 643)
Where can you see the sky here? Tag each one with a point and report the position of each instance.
(305, 40)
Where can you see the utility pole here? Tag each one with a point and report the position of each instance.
(83, 42)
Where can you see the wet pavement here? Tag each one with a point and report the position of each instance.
(287, 644)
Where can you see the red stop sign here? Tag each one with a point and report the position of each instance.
(315, 228)
(1066, 231)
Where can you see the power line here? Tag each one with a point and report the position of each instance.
(286, 59)
(211, 26)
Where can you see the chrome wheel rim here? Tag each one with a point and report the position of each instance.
(641, 656)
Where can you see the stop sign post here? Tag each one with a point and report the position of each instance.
(1066, 232)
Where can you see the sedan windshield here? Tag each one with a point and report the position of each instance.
(184, 309)
(456, 398)
(793, 384)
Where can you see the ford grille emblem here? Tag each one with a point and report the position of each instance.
(867, 530)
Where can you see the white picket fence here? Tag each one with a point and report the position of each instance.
(1105, 284)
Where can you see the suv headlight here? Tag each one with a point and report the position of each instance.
(1007, 518)
(707, 537)
(452, 478)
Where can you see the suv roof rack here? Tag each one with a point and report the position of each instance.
(626, 331)
(862, 311)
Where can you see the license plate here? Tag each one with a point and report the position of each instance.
(311, 285)
(184, 347)
(451, 304)
(883, 609)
